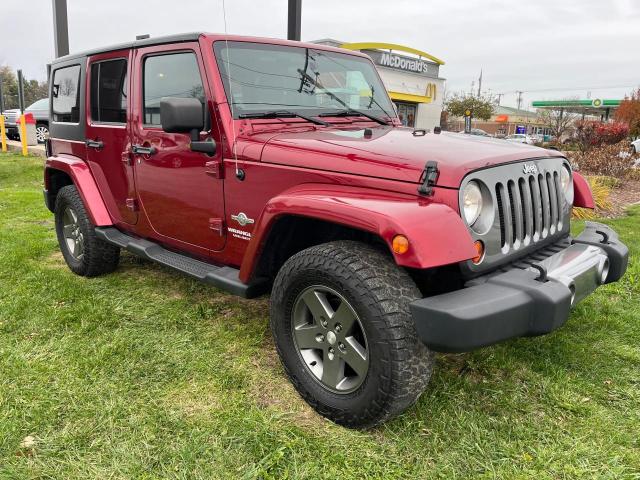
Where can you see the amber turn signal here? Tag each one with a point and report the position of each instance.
(400, 244)
(479, 246)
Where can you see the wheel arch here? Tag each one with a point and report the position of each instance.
(61, 171)
(312, 214)
(582, 196)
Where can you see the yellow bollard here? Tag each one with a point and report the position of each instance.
(3, 134)
(23, 135)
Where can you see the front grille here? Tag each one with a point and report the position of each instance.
(528, 209)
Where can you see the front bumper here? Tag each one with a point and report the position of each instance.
(12, 130)
(521, 301)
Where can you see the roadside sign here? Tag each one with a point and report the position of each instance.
(467, 121)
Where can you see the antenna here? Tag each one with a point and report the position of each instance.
(239, 173)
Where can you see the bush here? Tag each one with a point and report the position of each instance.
(609, 160)
(595, 134)
(600, 189)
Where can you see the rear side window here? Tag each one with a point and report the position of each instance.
(174, 75)
(109, 91)
(65, 94)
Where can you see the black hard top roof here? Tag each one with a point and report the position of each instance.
(146, 42)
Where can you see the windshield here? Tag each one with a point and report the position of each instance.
(262, 78)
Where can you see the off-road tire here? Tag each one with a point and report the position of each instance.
(99, 257)
(400, 365)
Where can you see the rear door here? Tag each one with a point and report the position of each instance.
(178, 192)
(107, 132)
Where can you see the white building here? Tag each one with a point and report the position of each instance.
(412, 79)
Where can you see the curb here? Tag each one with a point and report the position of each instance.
(37, 150)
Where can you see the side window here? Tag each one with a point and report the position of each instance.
(109, 91)
(173, 75)
(65, 94)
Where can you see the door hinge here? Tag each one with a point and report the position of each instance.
(428, 178)
(132, 204)
(217, 225)
(126, 158)
(214, 168)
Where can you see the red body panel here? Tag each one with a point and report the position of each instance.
(437, 235)
(82, 178)
(395, 153)
(177, 195)
(582, 196)
(110, 165)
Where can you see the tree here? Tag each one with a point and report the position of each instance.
(481, 106)
(629, 112)
(33, 89)
(557, 121)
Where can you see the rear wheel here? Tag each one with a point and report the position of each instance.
(84, 253)
(341, 322)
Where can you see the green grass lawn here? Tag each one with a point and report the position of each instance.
(147, 374)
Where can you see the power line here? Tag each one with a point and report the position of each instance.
(567, 89)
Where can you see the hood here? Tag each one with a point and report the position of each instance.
(393, 153)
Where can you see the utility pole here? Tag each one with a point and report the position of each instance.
(295, 20)
(519, 92)
(1, 98)
(480, 83)
(60, 28)
(499, 95)
(20, 91)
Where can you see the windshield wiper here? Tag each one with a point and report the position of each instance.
(350, 112)
(283, 114)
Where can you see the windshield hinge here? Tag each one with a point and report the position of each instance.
(428, 178)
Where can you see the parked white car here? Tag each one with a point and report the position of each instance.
(520, 138)
(635, 146)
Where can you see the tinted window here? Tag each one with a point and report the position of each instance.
(109, 91)
(65, 94)
(175, 75)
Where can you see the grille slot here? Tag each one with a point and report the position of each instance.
(500, 206)
(529, 209)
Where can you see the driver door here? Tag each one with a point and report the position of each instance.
(182, 201)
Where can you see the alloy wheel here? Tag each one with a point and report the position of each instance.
(42, 133)
(73, 236)
(330, 339)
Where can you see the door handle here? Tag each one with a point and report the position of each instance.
(97, 144)
(140, 150)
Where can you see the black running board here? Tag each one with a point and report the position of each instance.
(224, 278)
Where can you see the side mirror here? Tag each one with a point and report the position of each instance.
(186, 115)
(181, 115)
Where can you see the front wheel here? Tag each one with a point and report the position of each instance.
(341, 322)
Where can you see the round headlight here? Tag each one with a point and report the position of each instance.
(471, 202)
(566, 181)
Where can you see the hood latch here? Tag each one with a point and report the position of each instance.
(428, 178)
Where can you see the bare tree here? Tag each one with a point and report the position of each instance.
(558, 121)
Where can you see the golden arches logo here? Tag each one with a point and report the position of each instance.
(431, 91)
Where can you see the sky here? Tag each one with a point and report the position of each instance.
(549, 49)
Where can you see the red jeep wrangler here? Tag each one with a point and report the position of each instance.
(262, 165)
